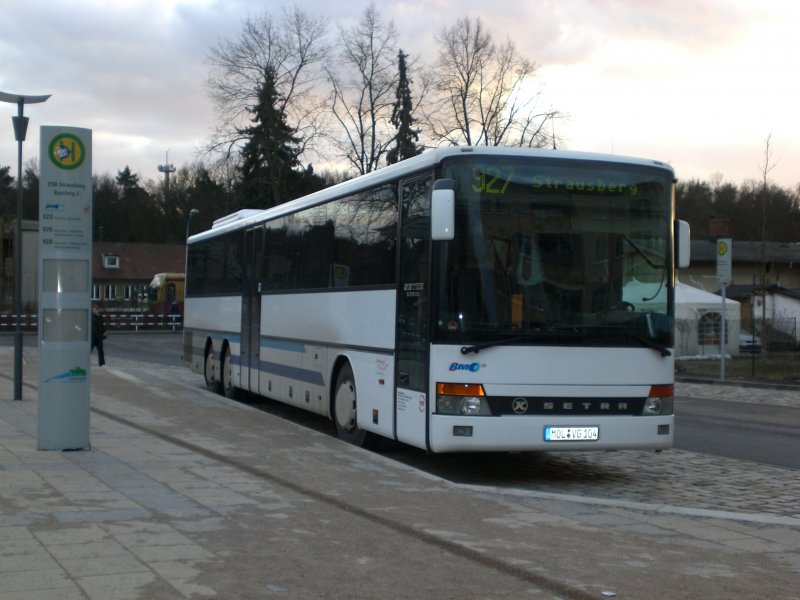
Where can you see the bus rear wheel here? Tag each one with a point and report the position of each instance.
(345, 409)
(210, 373)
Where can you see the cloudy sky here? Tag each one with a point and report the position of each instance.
(700, 84)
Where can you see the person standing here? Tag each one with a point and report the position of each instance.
(98, 334)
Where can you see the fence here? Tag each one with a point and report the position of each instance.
(114, 322)
(778, 334)
(693, 338)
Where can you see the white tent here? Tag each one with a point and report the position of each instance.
(698, 317)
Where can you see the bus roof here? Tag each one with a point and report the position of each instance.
(248, 217)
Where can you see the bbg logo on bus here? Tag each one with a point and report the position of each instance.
(471, 367)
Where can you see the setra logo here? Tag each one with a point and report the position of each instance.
(471, 367)
(66, 151)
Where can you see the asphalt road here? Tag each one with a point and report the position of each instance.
(765, 434)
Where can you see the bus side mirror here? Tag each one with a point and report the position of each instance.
(443, 210)
(683, 244)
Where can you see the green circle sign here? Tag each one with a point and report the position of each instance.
(66, 151)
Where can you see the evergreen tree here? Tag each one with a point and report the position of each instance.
(143, 220)
(30, 191)
(107, 211)
(402, 118)
(209, 197)
(8, 192)
(270, 154)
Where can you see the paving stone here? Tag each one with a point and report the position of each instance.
(126, 586)
(45, 579)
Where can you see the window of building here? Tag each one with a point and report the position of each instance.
(709, 329)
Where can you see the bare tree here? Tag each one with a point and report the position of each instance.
(292, 48)
(486, 93)
(363, 91)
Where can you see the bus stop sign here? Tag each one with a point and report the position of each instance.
(724, 260)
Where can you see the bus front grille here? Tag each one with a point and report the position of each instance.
(521, 405)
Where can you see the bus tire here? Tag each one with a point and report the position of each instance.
(213, 383)
(228, 389)
(345, 414)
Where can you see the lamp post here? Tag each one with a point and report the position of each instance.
(20, 129)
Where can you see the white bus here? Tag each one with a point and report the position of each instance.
(468, 299)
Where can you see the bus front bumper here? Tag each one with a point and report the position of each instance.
(542, 433)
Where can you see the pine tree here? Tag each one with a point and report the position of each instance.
(402, 118)
(7, 192)
(270, 154)
(137, 216)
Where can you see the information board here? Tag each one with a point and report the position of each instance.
(64, 284)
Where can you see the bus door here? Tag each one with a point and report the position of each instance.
(251, 307)
(411, 364)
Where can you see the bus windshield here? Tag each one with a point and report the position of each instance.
(561, 253)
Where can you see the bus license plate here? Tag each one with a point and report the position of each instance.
(571, 434)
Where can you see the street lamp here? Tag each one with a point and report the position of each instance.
(20, 128)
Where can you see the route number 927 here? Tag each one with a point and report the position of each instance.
(491, 181)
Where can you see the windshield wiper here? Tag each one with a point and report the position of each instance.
(640, 252)
(536, 334)
(649, 343)
(568, 331)
(483, 345)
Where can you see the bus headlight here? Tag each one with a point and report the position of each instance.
(461, 399)
(660, 401)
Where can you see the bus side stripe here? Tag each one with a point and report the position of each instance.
(283, 345)
(295, 373)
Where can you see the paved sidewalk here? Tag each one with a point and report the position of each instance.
(187, 495)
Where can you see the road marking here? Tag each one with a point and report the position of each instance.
(707, 513)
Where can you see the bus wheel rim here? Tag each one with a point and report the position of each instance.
(346, 406)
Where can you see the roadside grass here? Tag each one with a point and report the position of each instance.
(775, 367)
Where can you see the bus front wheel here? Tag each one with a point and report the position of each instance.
(344, 408)
(228, 389)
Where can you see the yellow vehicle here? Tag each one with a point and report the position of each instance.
(165, 295)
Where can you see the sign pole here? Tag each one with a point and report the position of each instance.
(20, 123)
(722, 339)
(724, 276)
